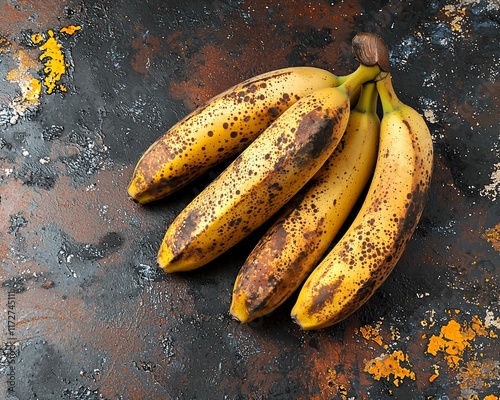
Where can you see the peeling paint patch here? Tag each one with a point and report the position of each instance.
(29, 86)
(477, 377)
(493, 235)
(394, 366)
(492, 190)
(456, 16)
(25, 74)
(491, 320)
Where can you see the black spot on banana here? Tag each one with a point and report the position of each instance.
(365, 256)
(222, 127)
(268, 173)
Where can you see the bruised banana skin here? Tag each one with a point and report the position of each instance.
(365, 256)
(305, 229)
(222, 127)
(268, 173)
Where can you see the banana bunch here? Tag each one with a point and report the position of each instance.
(304, 155)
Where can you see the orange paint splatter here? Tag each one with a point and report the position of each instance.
(435, 375)
(373, 333)
(4, 45)
(70, 29)
(454, 339)
(493, 236)
(389, 366)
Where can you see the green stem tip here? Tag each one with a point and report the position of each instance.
(361, 75)
(388, 97)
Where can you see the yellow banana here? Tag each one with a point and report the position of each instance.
(222, 127)
(373, 244)
(308, 225)
(268, 173)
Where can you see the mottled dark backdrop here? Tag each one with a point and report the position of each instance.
(86, 86)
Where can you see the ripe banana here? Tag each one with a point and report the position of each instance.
(222, 127)
(367, 253)
(308, 225)
(268, 173)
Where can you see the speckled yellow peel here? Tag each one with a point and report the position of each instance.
(224, 126)
(307, 226)
(367, 253)
(268, 173)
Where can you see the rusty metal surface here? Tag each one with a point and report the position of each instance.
(86, 86)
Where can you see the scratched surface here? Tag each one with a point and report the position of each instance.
(87, 86)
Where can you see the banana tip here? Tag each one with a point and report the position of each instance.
(134, 194)
(239, 312)
(240, 318)
(302, 322)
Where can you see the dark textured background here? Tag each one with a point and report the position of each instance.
(96, 319)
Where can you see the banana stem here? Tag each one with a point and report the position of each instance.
(388, 97)
(343, 78)
(368, 99)
(362, 75)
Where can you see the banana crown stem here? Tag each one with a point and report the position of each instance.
(367, 102)
(362, 75)
(388, 98)
(343, 78)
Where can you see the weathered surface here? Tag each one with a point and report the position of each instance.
(96, 319)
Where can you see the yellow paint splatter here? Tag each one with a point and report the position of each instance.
(454, 339)
(53, 58)
(430, 321)
(389, 366)
(36, 38)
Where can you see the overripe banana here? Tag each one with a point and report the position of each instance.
(373, 244)
(308, 225)
(222, 127)
(262, 178)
